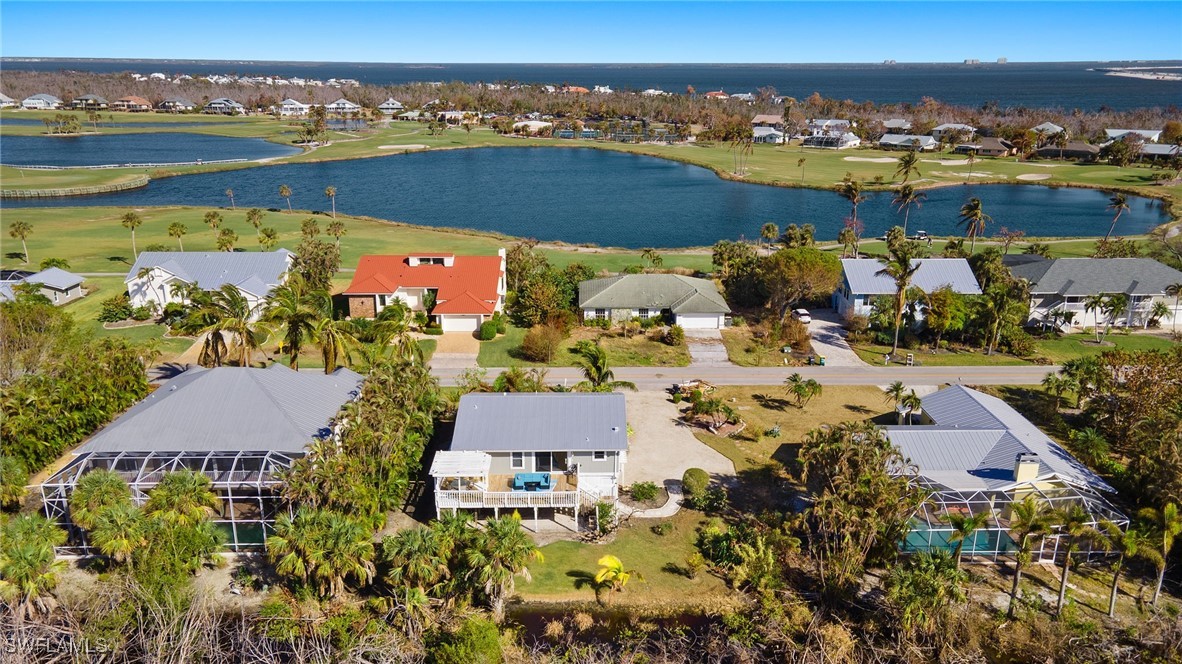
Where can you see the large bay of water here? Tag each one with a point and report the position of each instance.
(583, 195)
(1033, 84)
(162, 148)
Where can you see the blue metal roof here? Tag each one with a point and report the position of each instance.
(862, 276)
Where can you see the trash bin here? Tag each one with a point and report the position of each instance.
(821, 360)
(812, 360)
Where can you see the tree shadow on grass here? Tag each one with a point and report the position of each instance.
(15, 255)
(582, 579)
(770, 402)
(119, 259)
(859, 409)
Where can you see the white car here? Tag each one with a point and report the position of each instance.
(802, 315)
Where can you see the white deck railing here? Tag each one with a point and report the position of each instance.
(472, 499)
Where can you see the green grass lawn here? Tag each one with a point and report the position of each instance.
(873, 354)
(568, 566)
(744, 351)
(636, 351)
(1072, 346)
(86, 311)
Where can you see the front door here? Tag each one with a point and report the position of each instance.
(549, 462)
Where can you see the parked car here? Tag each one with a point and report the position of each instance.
(802, 315)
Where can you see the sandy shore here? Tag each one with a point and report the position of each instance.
(1147, 75)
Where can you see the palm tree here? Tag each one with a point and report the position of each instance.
(1127, 544)
(323, 547)
(908, 165)
(972, 159)
(500, 555)
(254, 217)
(800, 162)
(213, 219)
(177, 229)
(21, 229)
(268, 238)
(1057, 385)
(336, 228)
(1074, 526)
(912, 403)
(28, 569)
(906, 197)
(597, 374)
(963, 528)
(901, 267)
(652, 256)
(183, 498)
(230, 195)
(226, 239)
(769, 232)
(851, 190)
(973, 218)
(1175, 291)
(331, 193)
(285, 193)
(802, 389)
(97, 491)
(336, 340)
(1094, 302)
(217, 313)
(1165, 525)
(1158, 311)
(415, 558)
(1029, 519)
(132, 221)
(895, 392)
(119, 532)
(613, 575)
(1119, 203)
(1113, 306)
(292, 310)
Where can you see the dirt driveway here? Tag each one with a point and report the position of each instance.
(662, 448)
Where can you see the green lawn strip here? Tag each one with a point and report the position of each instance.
(86, 311)
(1072, 346)
(873, 354)
(636, 351)
(568, 570)
(1074, 248)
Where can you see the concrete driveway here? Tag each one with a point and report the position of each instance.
(829, 340)
(706, 348)
(455, 350)
(662, 448)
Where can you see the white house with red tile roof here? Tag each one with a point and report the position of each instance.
(467, 290)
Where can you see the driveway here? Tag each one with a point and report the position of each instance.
(661, 447)
(706, 348)
(455, 350)
(829, 340)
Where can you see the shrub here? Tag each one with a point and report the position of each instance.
(634, 269)
(663, 528)
(158, 247)
(141, 313)
(675, 336)
(502, 323)
(115, 309)
(643, 491)
(433, 331)
(478, 641)
(605, 516)
(601, 323)
(857, 323)
(677, 397)
(738, 321)
(174, 312)
(694, 482)
(694, 564)
(541, 343)
(487, 331)
(47, 263)
(711, 501)
(13, 478)
(1018, 342)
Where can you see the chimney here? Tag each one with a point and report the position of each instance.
(412, 261)
(449, 261)
(1026, 467)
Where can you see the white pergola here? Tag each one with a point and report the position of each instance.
(461, 470)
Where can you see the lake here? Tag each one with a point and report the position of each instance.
(160, 148)
(584, 195)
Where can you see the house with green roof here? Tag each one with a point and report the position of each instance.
(686, 301)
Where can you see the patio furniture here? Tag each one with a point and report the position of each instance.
(531, 482)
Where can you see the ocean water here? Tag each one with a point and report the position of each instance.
(1067, 85)
(162, 148)
(582, 195)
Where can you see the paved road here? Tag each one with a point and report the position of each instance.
(655, 378)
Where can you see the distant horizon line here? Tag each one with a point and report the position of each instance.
(887, 61)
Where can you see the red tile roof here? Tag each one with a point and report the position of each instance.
(469, 286)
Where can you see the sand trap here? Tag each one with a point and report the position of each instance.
(1033, 176)
(947, 162)
(976, 174)
(1043, 165)
(876, 160)
(408, 146)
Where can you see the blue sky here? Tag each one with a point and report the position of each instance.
(564, 32)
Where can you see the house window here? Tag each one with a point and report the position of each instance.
(644, 314)
(599, 456)
(382, 301)
(517, 460)
(600, 314)
(543, 462)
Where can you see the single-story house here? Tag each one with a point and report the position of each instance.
(952, 127)
(41, 102)
(744, 96)
(241, 427)
(412, 115)
(687, 301)
(1064, 284)
(391, 107)
(976, 455)
(1159, 151)
(89, 103)
(6, 101)
(897, 125)
(861, 281)
(224, 106)
(54, 283)
(158, 277)
(987, 147)
(1072, 150)
(767, 135)
(908, 142)
(1047, 129)
(292, 108)
(832, 142)
(458, 117)
(459, 292)
(717, 94)
(532, 127)
(558, 451)
(176, 105)
(342, 106)
(829, 127)
(768, 120)
(1147, 135)
(132, 104)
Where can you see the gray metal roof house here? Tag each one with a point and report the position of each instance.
(977, 455)
(40, 102)
(238, 426)
(558, 451)
(692, 302)
(152, 278)
(861, 281)
(54, 283)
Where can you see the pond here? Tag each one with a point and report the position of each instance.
(611, 198)
(162, 148)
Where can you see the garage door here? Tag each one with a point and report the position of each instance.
(459, 323)
(690, 321)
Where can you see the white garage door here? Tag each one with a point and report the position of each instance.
(699, 322)
(459, 323)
